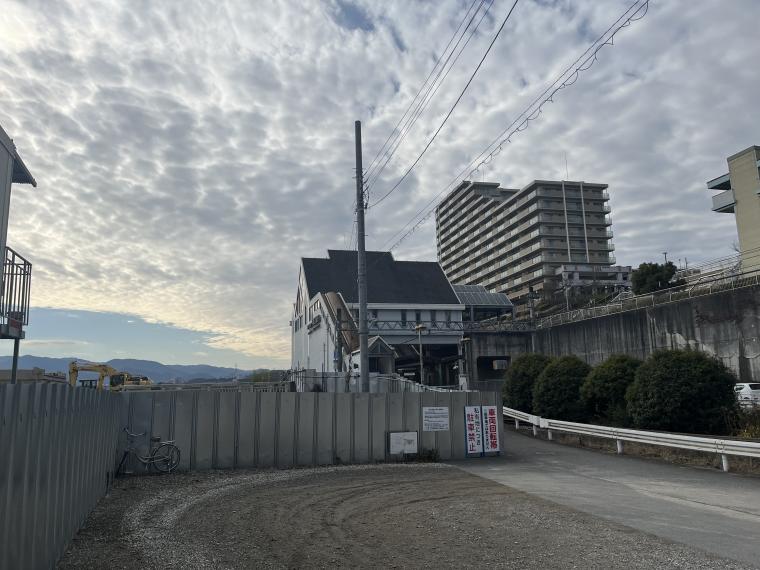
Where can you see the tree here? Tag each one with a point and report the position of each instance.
(683, 391)
(556, 393)
(650, 277)
(603, 390)
(520, 377)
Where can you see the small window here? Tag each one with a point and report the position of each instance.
(418, 316)
(374, 314)
(403, 318)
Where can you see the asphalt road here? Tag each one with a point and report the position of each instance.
(708, 509)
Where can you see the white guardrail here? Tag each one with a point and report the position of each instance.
(723, 447)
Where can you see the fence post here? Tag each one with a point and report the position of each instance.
(549, 434)
(619, 443)
(517, 423)
(535, 430)
(724, 462)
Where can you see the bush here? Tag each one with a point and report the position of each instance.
(520, 377)
(556, 394)
(683, 391)
(748, 423)
(603, 390)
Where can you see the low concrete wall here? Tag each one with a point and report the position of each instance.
(57, 452)
(725, 325)
(216, 429)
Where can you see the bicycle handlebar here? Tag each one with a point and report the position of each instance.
(130, 434)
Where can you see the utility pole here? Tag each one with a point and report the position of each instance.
(362, 262)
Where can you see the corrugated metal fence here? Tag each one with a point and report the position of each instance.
(57, 452)
(250, 429)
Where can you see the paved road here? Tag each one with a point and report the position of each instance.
(715, 511)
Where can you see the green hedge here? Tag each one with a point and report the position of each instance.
(603, 390)
(683, 391)
(519, 380)
(556, 393)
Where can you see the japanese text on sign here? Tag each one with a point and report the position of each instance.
(490, 429)
(435, 418)
(473, 429)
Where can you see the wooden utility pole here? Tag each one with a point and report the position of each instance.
(362, 262)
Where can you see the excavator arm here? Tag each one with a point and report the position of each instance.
(103, 370)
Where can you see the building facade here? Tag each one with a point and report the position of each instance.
(548, 237)
(409, 303)
(740, 195)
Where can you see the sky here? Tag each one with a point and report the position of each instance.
(188, 154)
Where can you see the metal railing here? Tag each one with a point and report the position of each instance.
(673, 295)
(17, 279)
(722, 447)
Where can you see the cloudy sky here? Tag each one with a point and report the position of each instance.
(188, 153)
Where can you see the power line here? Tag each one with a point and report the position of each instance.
(445, 50)
(584, 62)
(446, 118)
(430, 93)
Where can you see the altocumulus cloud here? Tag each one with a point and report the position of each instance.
(188, 153)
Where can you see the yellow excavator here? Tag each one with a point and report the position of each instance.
(118, 379)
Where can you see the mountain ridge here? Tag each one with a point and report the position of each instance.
(156, 371)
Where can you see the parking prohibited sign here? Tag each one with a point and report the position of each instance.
(481, 425)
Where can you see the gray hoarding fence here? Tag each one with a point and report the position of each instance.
(265, 429)
(57, 452)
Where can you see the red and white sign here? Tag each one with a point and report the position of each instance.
(490, 429)
(473, 428)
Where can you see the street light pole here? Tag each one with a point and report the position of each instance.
(419, 329)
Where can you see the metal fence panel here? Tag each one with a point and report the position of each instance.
(286, 430)
(378, 423)
(184, 418)
(267, 430)
(58, 448)
(305, 429)
(226, 428)
(325, 429)
(344, 408)
(203, 456)
(247, 413)
(360, 427)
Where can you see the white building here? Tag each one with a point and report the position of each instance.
(401, 295)
(17, 271)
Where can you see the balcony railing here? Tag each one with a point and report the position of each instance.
(14, 302)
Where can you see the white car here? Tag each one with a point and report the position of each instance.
(748, 394)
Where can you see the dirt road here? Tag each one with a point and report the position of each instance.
(415, 515)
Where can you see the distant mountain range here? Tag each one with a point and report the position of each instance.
(154, 370)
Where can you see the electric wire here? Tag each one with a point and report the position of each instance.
(584, 62)
(416, 96)
(453, 107)
(430, 94)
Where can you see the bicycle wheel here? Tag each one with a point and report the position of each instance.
(165, 458)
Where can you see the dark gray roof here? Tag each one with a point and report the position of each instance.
(479, 296)
(388, 280)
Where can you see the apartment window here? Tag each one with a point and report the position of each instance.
(403, 318)
(418, 316)
(448, 318)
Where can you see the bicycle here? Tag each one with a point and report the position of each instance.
(163, 455)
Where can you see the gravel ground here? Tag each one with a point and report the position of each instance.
(395, 516)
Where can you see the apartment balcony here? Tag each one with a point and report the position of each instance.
(724, 202)
(14, 302)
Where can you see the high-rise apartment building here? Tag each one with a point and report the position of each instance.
(741, 196)
(550, 236)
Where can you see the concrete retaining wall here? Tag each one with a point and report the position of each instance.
(261, 429)
(725, 325)
(57, 452)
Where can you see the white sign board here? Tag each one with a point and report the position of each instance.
(402, 442)
(435, 418)
(490, 429)
(473, 428)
